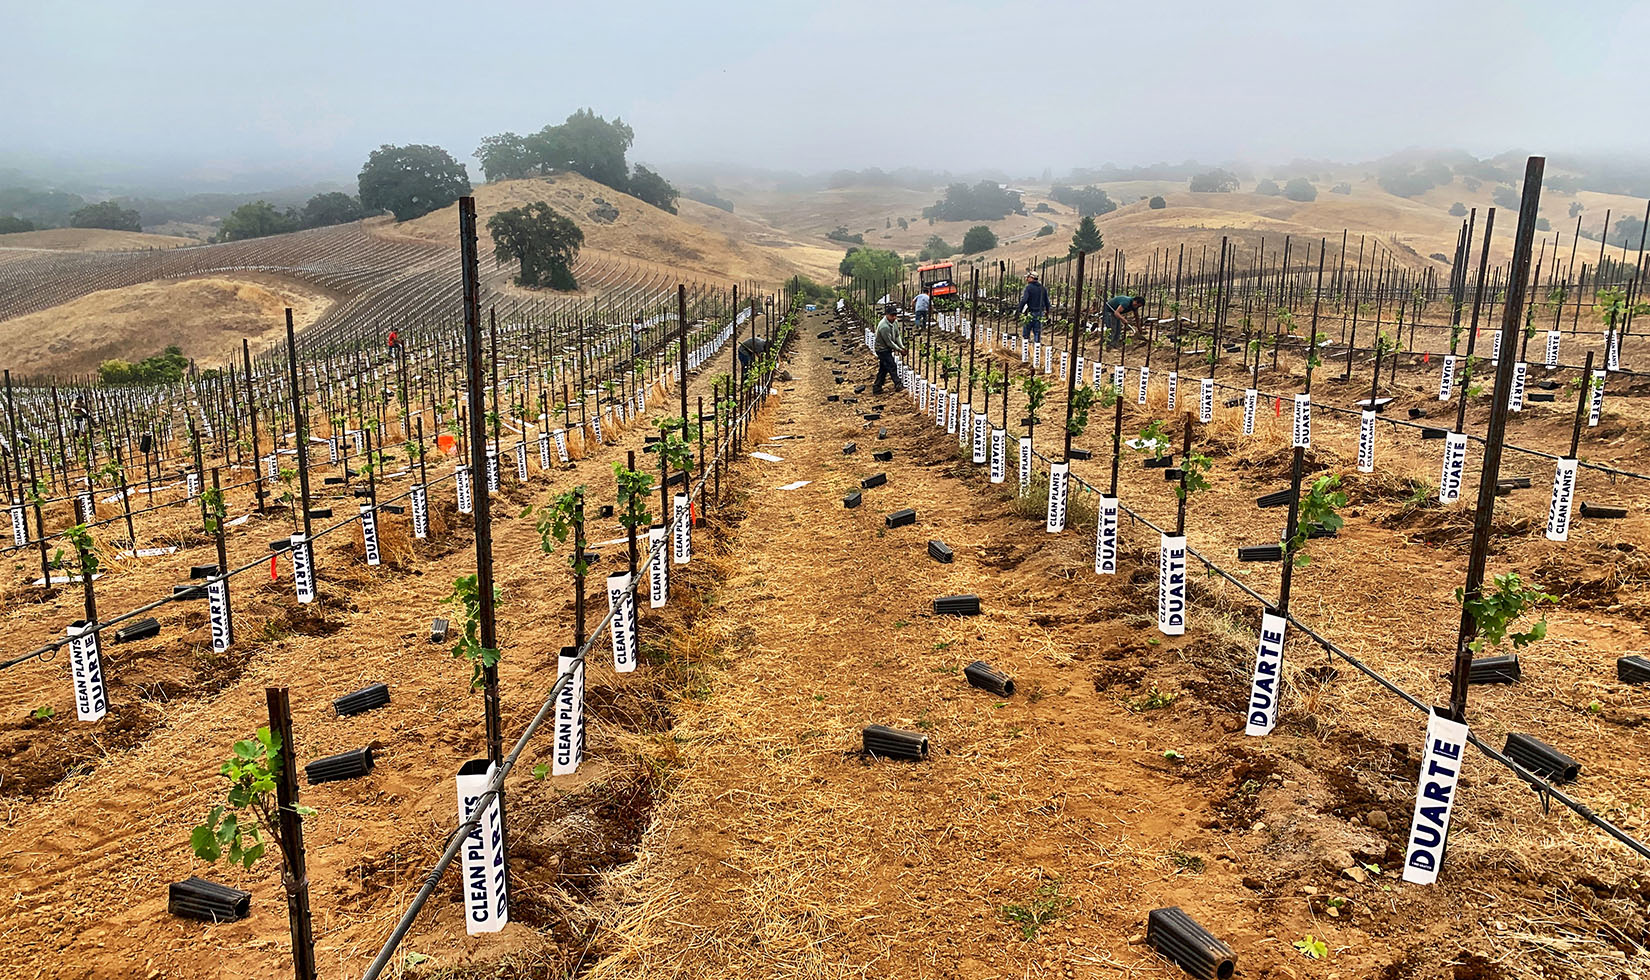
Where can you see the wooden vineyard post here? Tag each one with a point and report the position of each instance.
(294, 871)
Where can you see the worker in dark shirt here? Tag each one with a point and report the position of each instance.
(1034, 305)
(750, 348)
(1116, 309)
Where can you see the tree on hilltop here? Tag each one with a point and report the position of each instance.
(411, 181)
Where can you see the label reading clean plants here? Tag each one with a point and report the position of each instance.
(420, 512)
(461, 479)
(999, 455)
(359, 437)
(19, 526)
(332, 450)
(1048, 358)
(272, 468)
(492, 471)
(521, 461)
(1174, 388)
(1303, 420)
(1440, 772)
(369, 535)
(1446, 381)
(1145, 376)
(1250, 398)
(217, 611)
(658, 574)
(951, 409)
(922, 394)
(1366, 442)
(91, 697)
(569, 747)
(1025, 464)
(681, 529)
(1455, 462)
(1563, 498)
(1515, 401)
(1266, 686)
(621, 602)
(1105, 537)
(561, 446)
(486, 906)
(192, 481)
(1056, 514)
(544, 450)
(1206, 399)
(596, 428)
(1553, 337)
(965, 428)
(303, 570)
(1065, 364)
(1171, 585)
(1612, 351)
(1595, 410)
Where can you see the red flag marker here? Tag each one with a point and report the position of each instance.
(1277, 407)
(273, 574)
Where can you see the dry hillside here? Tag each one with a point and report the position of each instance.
(206, 317)
(700, 240)
(85, 240)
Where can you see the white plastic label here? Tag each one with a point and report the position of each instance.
(461, 479)
(1056, 515)
(369, 535)
(621, 602)
(681, 530)
(1446, 381)
(217, 606)
(1563, 498)
(1145, 376)
(486, 905)
(1025, 464)
(1366, 442)
(1455, 461)
(1250, 398)
(1440, 772)
(999, 455)
(303, 569)
(1266, 684)
(658, 570)
(568, 751)
(1303, 420)
(1206, 400)
(1174, 388)
(420, 512)
(91, 696)
(1105, 537)
(1171, 585)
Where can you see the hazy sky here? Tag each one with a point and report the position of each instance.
(223, 88)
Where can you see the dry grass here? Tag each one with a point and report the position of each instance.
(206, 317)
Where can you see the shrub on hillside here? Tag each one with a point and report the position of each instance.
(11, 224)
(1157, 203)
(936, 248)
(979, 238)
(985, 201)
(1269, 188)
(649, 187)
(1087, 200)
(841, 234)
(167, 367)
(256, 220)
(708, 195)
(1342, 188)
(1457, 210)
(873, 266)
(1505, 197)
(1300, 189)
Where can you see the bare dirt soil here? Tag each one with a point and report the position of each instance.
(1117, 778)
(87, 240)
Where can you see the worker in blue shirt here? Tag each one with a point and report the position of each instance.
(1034, 305)
(921, 308)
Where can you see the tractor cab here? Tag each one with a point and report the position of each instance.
(936, 279)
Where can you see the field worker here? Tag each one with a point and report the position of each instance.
(636, 331)
(1116, 309)
(79, 416)
(921, 308)
(391, 340)
(750, 348)
(1034, 305)
(888, 341)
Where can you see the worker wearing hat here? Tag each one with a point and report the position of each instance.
(1034, 305)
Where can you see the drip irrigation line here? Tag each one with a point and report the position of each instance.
(1542, 788)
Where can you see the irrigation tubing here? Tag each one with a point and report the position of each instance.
(1542, 788)
(495, 785)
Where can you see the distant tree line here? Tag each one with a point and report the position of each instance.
(260, 218)
(708, 195)
(585, 144)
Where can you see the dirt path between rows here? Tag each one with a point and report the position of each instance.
(1045, 825)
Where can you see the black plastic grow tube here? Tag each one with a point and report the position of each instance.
(1545, 790)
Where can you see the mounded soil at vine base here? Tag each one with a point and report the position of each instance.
(726, 823)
